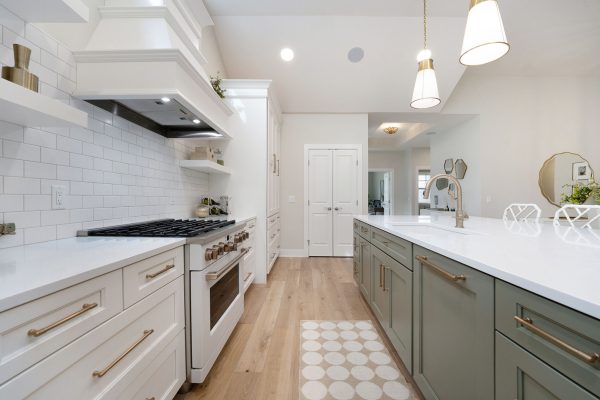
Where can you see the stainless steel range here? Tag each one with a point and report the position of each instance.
(214, 299)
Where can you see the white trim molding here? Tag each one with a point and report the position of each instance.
(293, 253)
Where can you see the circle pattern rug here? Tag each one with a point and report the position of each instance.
(345, 360)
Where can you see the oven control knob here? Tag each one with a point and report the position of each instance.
(221, 247)
(216, 251)
(247, 235)
(229, 246)
(237, 238)
(208, 254)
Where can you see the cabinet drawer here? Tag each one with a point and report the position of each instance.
(128, 342)
(556, 334)
(399, 249)
(33, 331)
(163, 377)
(363, 229)
(520, 375)
(144, 277)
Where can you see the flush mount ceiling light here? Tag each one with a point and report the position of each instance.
(356, 54)
(286, 54)
(390, 130)
(485, 38)
(196, 121)
(425, 93)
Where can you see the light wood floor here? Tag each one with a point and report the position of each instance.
(260, 360)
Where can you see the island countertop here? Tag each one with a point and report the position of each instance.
(32, 271)
(557, 262)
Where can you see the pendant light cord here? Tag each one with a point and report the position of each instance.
(425, 23)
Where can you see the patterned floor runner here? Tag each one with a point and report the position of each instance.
(345, 360)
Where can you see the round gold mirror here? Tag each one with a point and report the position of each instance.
(560, 172)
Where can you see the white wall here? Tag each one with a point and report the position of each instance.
(296, 131)
(462, 141)
(210, 50)
(114, 172)
(523, 121)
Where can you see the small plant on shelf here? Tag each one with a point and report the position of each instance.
(216, 84)
(581, 192)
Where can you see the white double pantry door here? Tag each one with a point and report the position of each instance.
(333, 193)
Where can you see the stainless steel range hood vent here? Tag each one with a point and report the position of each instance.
(165, 116)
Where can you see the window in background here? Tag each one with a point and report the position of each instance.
(423, 176)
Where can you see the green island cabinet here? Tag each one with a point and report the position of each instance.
(464, 335)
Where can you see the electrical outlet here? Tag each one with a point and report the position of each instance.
(59, 197)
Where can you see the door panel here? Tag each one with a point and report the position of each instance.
(345, 199)
(400, 328)
(320, 170)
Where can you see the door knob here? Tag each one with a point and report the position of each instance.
(337, 208)
(328, 208)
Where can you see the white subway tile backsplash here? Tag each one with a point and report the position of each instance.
(40, 234)
(40, 170)
(40, 138)
(11, 202)
(53, 156)
(114, 171)
(37, 202)
(20, 150)
(18, 185)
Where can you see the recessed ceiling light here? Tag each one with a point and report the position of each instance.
(287, 54)
(165, 99)
(196, 121)
(356, 54)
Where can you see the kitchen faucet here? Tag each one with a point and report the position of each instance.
(460, 214)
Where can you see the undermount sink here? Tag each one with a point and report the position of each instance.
(430, 229)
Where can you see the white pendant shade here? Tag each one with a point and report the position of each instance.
(485, 38)
(425, 94)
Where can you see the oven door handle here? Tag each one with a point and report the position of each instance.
(213, 276)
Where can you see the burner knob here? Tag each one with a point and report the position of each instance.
(229, 246)
(221, 247)
(211, 254)
(237, 238)
(216, 252)
(247, 235)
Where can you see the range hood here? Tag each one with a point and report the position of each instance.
(142, 51)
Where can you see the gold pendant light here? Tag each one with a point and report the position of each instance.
(485, 39)
(390, 130)
(425, 93)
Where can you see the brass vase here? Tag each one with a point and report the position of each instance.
(19, 74)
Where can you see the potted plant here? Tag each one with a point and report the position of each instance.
(216, 84)
(581, 193)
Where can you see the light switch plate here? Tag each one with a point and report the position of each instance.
(59, 197)
(291, 199)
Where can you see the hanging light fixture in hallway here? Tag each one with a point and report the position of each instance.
(425, 93)
(485, 38)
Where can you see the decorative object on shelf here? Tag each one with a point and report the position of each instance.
(202, 211)
(522, 212)
(215, 207)
(390, 130)
(485, 39)
(218, 154)
(586, 215)
(216, 84)
(20, 74)
(425, 93)
(561, 171)
(449, 165)
(203, 153)
(582, 171)
(460, 168)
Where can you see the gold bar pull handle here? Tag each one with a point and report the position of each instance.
(582, 355)
(383, 286)
(443, 272)
(103, 372)
(38, 332)
(162, 271)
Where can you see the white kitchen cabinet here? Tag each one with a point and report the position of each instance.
(108, 351)
(254, 158)
(250, 257)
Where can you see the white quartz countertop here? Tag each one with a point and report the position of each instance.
(32, 271)
(559, 263)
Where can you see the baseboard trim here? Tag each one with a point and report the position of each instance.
(293, 253)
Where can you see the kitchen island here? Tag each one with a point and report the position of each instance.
(495, 310)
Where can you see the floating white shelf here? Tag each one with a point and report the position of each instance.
(209, 167)
(49, 10)
(25, 107)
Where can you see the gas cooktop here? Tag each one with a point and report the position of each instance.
(161, 228)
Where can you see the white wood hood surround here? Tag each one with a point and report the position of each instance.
(30, 272)
(559, 263)
(147, 49)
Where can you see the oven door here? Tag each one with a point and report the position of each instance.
(216, 306)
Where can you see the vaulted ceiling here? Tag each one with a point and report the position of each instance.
(548, 37)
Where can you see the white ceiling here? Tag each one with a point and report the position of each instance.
(414, 129)
(548, 37)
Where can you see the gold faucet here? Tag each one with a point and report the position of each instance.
(460, 214)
